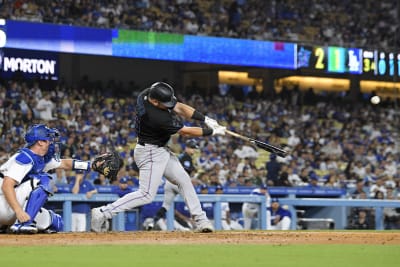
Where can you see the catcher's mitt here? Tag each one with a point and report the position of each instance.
(108, 164)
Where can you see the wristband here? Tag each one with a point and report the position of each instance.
(198, 116)
(80, 165)
(207, 131)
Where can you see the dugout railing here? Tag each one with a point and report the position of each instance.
(340, 205)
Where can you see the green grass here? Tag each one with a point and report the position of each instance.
(202, 255)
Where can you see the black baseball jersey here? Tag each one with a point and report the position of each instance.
(153, 125)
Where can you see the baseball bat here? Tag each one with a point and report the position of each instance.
(267, 147)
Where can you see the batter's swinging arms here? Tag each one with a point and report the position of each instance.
(157, 118)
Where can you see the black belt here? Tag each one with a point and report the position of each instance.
(143, 144)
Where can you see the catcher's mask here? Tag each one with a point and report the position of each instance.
(39, 132)
(164, 93)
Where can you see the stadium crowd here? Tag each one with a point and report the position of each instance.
(364, 24)
(332, 141)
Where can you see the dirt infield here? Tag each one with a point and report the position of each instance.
(220, 237)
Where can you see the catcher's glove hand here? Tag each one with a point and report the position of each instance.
(108, 164)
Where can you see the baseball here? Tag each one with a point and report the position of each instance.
(375, 100)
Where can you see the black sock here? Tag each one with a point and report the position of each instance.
(160, 214)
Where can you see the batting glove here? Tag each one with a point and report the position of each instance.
(220, 130)
(211, 123)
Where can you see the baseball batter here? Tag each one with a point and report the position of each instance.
(158, 116)
(25, 183)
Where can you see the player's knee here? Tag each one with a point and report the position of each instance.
(147, 198)
(42, 181)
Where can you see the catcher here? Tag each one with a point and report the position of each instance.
(26, 185)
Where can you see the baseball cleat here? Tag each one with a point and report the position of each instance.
(23, 228)
(98, 221)
(161, 225)
(204, 226)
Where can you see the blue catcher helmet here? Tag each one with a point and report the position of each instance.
(39, 132)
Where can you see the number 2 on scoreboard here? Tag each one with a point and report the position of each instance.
(320, 55)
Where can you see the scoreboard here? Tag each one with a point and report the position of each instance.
(333, 59)
(3, 36)
(388, 64)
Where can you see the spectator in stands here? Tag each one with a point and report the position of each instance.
(45, 107)
(369, 176)
(293, 139)
(273, 168)
(359, 189)
(303, 175)
(313, 181)
(332, 180)
(379, 186)
(332, 148)
(234, 17)
(293, 177)
(360, 221)
(284, 177)
(379, 195)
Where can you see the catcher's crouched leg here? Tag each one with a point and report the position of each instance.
(47, 221)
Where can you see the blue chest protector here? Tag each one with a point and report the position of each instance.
(26, 156)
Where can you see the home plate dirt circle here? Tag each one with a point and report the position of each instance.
(219, 237)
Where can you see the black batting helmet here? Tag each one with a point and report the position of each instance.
(164, 93)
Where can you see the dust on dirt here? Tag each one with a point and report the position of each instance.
(219, 237)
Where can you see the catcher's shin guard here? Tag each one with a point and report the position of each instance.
(57, 222)
(47, 221)
(36, 200)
